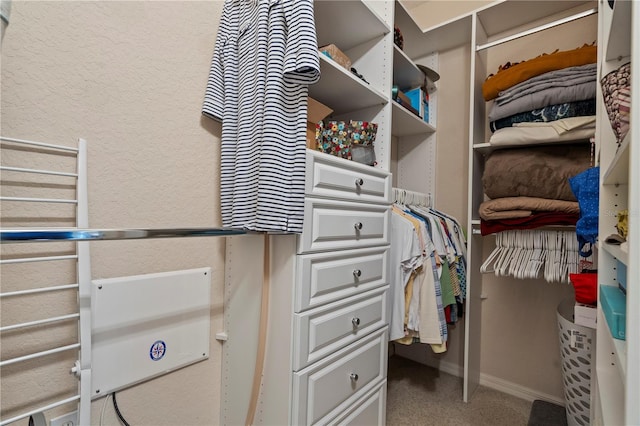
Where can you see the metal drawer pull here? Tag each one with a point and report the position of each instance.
(357, 273)
(355, 321)
(358, 225)
(354, 377)
(359, 182)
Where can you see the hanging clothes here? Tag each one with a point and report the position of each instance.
(406, 254)
(264, 58)
(427, 283)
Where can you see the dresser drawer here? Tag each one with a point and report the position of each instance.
(325, 389)
(324, 330)
(369, 410)
(336, 225)
(332, 177)
(327, 277)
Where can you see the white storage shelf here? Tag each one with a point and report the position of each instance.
(356, 29)
(347, 23)
(406, 75)
(618, 170)
(617, 360)
(406, 123)
(499, 20)
(338, 83)
(492, 25)
(414, 136)
(616, 251)
(619, 42)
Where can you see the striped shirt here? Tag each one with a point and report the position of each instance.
(264, 58)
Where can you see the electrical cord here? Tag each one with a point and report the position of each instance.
(104, 406)
(115, 406)
(262, 334)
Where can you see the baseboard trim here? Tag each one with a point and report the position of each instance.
(516, 390)
(496, 383)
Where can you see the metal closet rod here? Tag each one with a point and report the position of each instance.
(537, 29)
(74, 234)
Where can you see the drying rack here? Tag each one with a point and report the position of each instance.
(80, 235)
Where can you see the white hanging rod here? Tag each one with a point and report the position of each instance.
(39, 354)
(38, 290)
(537, 29)
(39, 410)
(37, 259)
(39, 200)
(39, 322)
(42, 172)
(40, 144)
(75, 234)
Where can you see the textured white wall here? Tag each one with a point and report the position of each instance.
(129, 77)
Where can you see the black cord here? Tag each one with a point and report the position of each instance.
(115, 406)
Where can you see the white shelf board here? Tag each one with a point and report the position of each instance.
(514, 15)
(342, 91)
(419, 43)
(406, 123)
(483, 148)
(406, 75)
(616, 251)
(618, 170)
(619, 43)
(347, 23)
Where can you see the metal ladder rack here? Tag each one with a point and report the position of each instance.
(16, 179)
(30, 181)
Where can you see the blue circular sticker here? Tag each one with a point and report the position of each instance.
(157, 351)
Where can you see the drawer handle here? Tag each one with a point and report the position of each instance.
(359, 182)
(355, 321)
(357, 273)
(358, 226)
(354, 377)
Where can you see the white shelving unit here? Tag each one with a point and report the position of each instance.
(492, 26)
(338, 269)
(616, 382)
(415, 137)
(348, 96)
(325, 357)
(481, 30)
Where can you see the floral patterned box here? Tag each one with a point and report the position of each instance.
(337, 137)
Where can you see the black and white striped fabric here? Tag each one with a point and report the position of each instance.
(265, 56)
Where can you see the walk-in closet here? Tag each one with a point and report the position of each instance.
(322, 212)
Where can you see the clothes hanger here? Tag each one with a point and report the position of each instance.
(489, 264)
(502, 265)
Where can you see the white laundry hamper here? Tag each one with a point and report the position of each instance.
(577, 346)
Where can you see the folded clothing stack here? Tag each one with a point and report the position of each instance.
(545, 89)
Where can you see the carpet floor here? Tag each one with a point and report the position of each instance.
(422, 395)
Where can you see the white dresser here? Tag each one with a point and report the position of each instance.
(326, 351)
